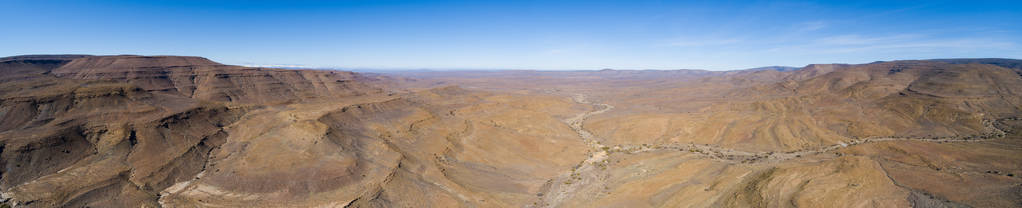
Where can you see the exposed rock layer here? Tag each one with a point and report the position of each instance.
(130, 131)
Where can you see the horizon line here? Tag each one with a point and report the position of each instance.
(444, 69)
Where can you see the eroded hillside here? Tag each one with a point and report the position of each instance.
(168, 131)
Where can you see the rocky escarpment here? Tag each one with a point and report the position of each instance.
(202, 79)
(114, 131)
(113, 164)
(130, 131)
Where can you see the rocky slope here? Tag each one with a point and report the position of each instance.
(821, 106)
(169, 131)
(115, 130)
(202, 79)
(824, 135)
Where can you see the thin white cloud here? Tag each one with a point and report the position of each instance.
(854, 39)
(952, 44)
(854, 43)
(812, 26)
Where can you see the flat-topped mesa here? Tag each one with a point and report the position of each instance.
(67, 57)
(203, 79)
(141, 61)
(117, 66)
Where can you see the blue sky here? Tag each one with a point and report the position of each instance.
(716, 35)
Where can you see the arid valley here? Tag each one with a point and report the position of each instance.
(180, 131)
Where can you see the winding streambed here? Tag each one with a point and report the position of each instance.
(590, 172)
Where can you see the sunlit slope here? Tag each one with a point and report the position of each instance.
(897, 99)
(71, 137)
(168, 131)
(202, 79)
(442, 147)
